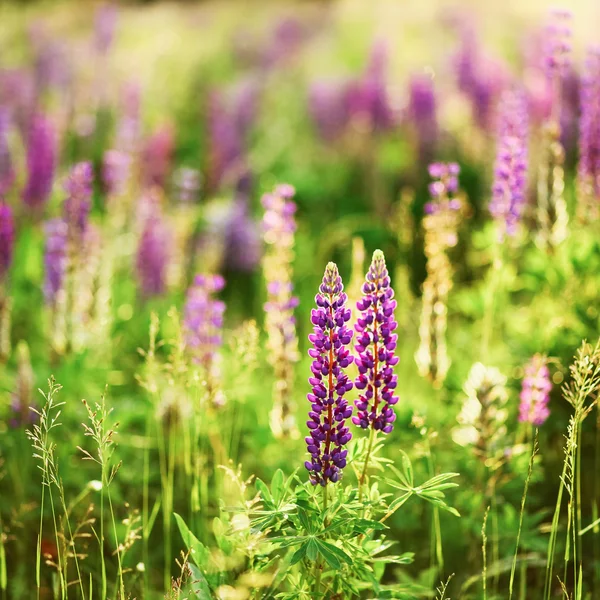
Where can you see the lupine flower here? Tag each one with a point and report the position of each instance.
(589, 128)
(482, 420)
(7, 239)
(153, 256)
(288, 35)
(279, 227)
(129, 126)
(367, 98)
(375, 345)
(76, 208)
(326, 102)
(104, 27)
(421, 111)
(479, 77)
(242, 238)
(329, 410)
(557, 43)
(55, 258)
(203, 318)
(41, 157)
(510, 171)
(116, 168)
(7, 172)
(535, 394)
(552, 209)
(440, 223)
(230, 116)
(157, 156)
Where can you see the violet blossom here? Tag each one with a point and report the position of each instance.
(375, 345)
(535, 393)
(329, 409)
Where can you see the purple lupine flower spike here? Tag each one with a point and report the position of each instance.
(535, 393)
(589, 126)
(422, 112)
(41, 158)
(375, 346)
(116, 168)
(55, 258)
(329, 410)
(203, 318)
(7, 172)
(7, 239)
(509, 191)
(153, 256)
(105, 22)
(76, 208)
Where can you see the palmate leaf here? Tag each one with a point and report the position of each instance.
(333, 555)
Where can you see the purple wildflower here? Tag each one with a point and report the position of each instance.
(367, 99)
(153, 256)
(41, 158)
(375, 345)
(557, 43)
(535, 394)
(157, 155)
(55, 258)
(510, 171)
(116, 168)
(203, 318)
(7, 239)
(422, 112)
(329, 410)
(242, 239)
(104, 27)
(77, 206)
(7, 172)
(446, 184)
(326, 103)
(230, 116)
(129, 127)
(589, 125)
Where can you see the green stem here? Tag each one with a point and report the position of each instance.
(363, 475)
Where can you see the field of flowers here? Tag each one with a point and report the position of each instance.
(299, 301)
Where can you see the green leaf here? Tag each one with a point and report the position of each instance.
(440, 479)
(277, 487)
(262, 487)
(299, 554)
(332, 554)
(407, 469)
(398, 502)
(304, 520)
(199, 584)
(312, 550)
(199, 552)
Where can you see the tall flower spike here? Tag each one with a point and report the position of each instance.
(440, 223)
(7, 172)
(329, 409)
(552, 209)
(55, 259)
(510, 172)
(482, 420)
(535, 393)
(279, 227)
(41, 159)
(203, 324)
(589, 137)
(7, 239)
(203, 317)
(375, 345)
(153, 256)
(77, 205)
